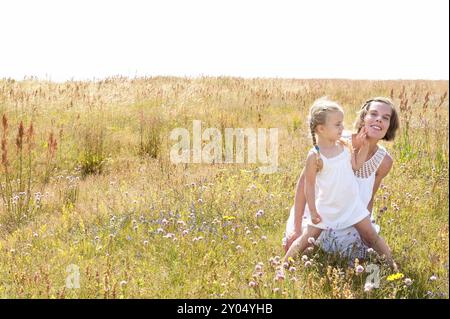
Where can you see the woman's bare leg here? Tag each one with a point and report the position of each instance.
(301, 243)
(370, 236)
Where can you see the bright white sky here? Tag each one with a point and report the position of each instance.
(359, 39)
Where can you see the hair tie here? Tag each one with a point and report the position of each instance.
(316, 147)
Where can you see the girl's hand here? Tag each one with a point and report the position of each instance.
(315, 218)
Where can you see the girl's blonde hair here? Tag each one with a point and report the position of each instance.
(318, 116)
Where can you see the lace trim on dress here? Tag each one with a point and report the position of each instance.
(370, 166)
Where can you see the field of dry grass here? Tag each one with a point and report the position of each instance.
(89, 195)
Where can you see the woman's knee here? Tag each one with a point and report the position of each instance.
(371, 238)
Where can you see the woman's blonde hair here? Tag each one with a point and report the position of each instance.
(318, 116)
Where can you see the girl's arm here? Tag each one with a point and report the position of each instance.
(310, 184)
(382, 171)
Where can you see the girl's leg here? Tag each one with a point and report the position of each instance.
(370, 236)
(301, 243)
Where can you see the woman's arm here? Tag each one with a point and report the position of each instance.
(310, 184)
(299, 210)
(382, 171)
(299, 203)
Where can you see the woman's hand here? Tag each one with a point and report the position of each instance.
(291, 238)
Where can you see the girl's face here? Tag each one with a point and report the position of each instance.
(377, 120)
(333, 127)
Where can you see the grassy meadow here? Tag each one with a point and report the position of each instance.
(88, 188)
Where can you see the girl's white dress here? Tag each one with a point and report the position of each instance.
(337, 194)
(345, 241)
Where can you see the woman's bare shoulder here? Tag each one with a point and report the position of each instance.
(385, 165)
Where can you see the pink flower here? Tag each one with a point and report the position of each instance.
(368, 287)
(279, 276)
(408, 281)
(252, 284)
(359, 269)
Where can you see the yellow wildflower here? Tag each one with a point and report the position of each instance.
(396, 276)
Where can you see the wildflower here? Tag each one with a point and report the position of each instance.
(309, 249)
(396, 276)
(285, 265)
(368, 287)
(228, 218)
(238, 247)
(145, 242)
(258, 267)
(169, 235)
(311, 240)
(160, 231)
(433, 278)
(263, 237)
(359, 269)
(276, 290)
(370, 251)
(408, 281)
(200, 201)
(255, 242)
(123, 283)
(252, 284)
(248, 232)
(185, 232)
(279, 276)
(292, 269)
(35, 235)
(97, 238)
(308, 264)
(304, 258)
(291, 260)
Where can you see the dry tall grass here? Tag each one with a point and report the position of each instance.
(86, 180)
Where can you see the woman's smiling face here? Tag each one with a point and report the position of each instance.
(377, 120)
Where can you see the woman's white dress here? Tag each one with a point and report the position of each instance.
(346, 241)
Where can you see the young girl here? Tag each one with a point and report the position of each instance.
(331, 189)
